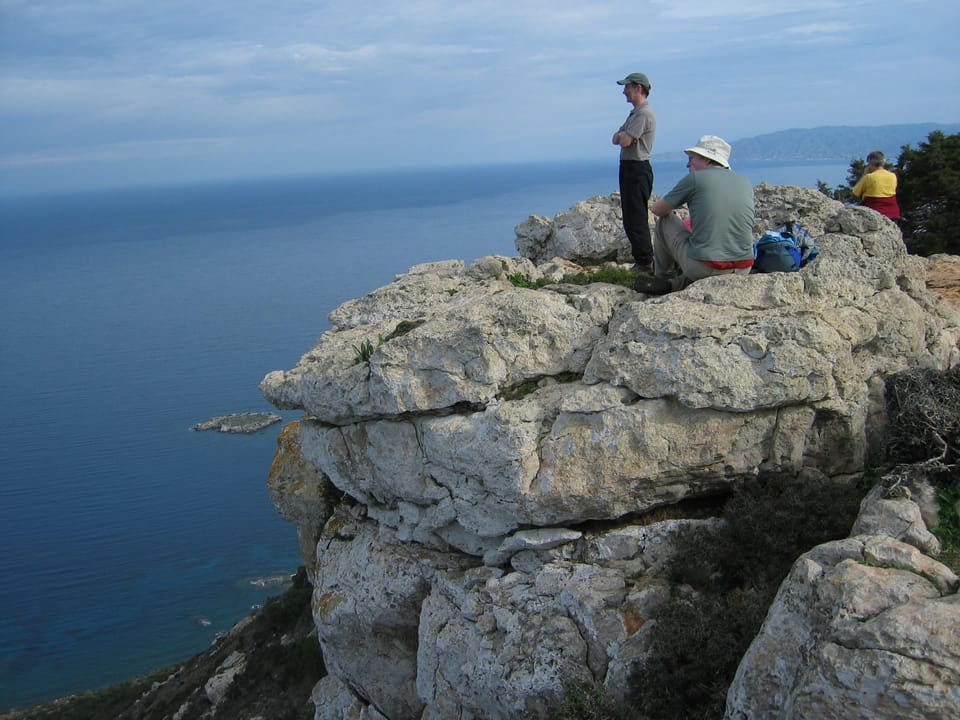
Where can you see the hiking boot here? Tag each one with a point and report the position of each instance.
(652, 285)
(644, 266)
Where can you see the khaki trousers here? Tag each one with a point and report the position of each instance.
(671, 259)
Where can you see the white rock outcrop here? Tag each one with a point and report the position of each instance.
(218, 686)
(479, 426)
(589, 232)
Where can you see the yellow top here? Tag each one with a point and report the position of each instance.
(879, 183)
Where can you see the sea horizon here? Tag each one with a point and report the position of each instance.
(664, 162)
(130, 315)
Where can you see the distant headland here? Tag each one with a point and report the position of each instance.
(833, 142)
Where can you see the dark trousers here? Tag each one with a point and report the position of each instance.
(636, 184)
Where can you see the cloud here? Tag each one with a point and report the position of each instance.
(687, 10)
(819, 29)
(295, 82)
(115, 151)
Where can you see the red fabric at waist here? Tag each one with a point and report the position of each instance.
(884, 205)
(729, 264)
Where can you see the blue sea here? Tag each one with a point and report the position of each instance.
(130, 540)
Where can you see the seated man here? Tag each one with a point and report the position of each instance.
(877, 189)
(721, 213)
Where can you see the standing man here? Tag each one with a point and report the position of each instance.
(721, 213)
(635, 138)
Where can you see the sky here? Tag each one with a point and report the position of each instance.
(104, 93)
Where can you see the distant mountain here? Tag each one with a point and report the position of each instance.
(831, 143)
(842, 143)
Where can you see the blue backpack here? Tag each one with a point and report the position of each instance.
(786, 249)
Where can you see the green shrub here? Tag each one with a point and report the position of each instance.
(520, 280)
(697, 645)
(947, 528)
(106, 704)
(282, 611)
(928, 193)
(729, 575)
(586, 701)
(612, 274)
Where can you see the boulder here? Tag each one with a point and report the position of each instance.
(217, 687)
(589, 232)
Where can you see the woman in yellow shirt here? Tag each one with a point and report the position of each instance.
(877, 188)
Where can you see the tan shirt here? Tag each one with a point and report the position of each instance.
(640, 124)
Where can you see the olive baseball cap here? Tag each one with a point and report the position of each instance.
(637, 78)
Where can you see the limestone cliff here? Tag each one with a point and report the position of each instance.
(459, 432)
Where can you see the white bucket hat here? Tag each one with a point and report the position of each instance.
(713, 148)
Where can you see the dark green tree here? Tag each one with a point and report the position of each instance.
(857, 167)
(928, 192)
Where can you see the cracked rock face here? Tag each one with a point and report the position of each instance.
(478, 425)
(482, 408)
(433, 634)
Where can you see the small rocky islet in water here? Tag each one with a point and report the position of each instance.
(245, 423)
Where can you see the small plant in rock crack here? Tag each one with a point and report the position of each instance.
(365, 350)
(520, 280)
